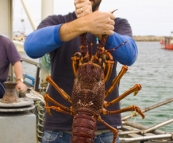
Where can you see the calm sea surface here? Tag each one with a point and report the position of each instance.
(154, 71)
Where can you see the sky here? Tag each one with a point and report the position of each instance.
(146, 17)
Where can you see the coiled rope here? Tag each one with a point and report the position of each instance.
(40, 112)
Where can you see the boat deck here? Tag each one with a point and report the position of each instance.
(136, 133)
(130, 132)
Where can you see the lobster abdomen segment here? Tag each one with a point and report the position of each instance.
(84, 125)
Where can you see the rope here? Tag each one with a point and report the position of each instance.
(40, 112)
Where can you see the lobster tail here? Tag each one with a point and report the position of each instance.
(83, 128)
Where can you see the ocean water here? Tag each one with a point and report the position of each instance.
(154, 71)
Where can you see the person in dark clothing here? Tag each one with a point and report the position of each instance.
(9, 55)
(59, 35)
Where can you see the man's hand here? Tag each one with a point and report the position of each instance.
(21, 86)
(99, 23)
(82, 7)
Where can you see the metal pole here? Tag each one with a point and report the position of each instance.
(29, 15)
(47, 9)
(157, 126)
(36, 86)
(142, 138)
(129, 132)
(151, 107)
(141, 127)
(6, 14)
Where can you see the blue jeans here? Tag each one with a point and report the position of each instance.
(2, 89)
(63, 137)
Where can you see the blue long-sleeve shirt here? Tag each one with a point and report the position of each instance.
(47, 39)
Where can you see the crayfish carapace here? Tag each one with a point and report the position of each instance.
(89, 93)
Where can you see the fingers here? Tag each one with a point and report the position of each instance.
(108, 28)
(101, 23)
(112, 16)
(95, 22)
(82, 7)
(80, 3)
(111, 24)
(21, 87)
(108, 23)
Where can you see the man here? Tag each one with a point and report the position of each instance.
(9, 55)
(59, 36)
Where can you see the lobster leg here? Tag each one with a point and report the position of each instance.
(116, 80)
(134, 89)
(59, 108)
(75, 62)
(114, 130)
(109, 65)
(61, 92)
(129, 108)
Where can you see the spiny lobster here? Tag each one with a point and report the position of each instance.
(88, 94)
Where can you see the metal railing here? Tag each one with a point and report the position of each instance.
(143, 133)
(35, 80)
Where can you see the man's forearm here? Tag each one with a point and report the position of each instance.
(69, 31)
(18, 70)
(47, 39)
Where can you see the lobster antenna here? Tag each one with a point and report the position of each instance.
(114, 49)
(91, 47)
(114, 10)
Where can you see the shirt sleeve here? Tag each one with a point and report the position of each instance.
(126, 52)
(34, 45)
(11, 51)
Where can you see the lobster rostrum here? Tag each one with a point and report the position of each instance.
(89, 93)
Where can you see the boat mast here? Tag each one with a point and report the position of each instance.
(6, 26)
(46, 10)
(6, 14)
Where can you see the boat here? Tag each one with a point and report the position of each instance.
(167, 42)
(25, 120)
